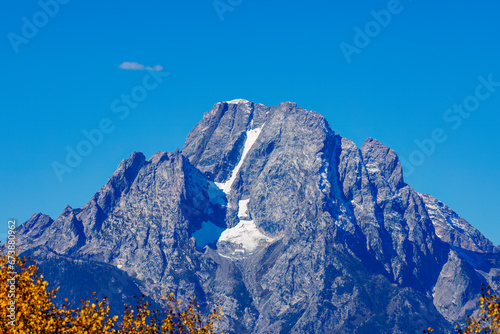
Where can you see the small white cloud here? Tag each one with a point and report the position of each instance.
(131, 66)
(139, 67)
(155, 68)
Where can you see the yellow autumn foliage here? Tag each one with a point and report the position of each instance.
(487, 319)
(27, 307)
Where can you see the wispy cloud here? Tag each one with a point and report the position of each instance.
(126, 65)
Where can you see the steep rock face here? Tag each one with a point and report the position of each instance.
(298, 169)
(141, 221)
(214, 145)
(307, 187)
(455, 292)
(33, 229)
(453, 229)
(303, 232)
(392, 219)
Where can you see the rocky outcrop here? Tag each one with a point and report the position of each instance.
(453, 229)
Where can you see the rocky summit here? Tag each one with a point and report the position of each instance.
(288, 226)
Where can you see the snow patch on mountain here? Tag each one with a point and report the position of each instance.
(251, 137)
(243, 208)
(246, 235)
(238, 101)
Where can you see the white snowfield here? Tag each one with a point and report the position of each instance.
(252, 136)
(245, 234)
(243, 208)
(237, 101)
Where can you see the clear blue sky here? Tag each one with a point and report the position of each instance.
(397, 87)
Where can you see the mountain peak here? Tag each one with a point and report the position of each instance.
(237, 101)
(385, 159)
(291, 228)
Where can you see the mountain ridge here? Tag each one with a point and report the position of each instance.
(313, 228)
